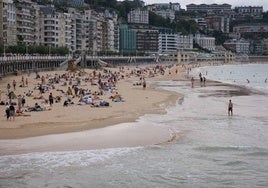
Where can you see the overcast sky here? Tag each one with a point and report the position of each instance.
(234, 3)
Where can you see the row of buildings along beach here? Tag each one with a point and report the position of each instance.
(89, 30)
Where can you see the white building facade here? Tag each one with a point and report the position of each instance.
(138, 16)
(205, 42)
(172, 42)
(240, 46)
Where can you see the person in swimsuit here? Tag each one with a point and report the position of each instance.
(230, 108)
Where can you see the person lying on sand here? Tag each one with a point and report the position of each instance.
(117, 97)
(36, 108)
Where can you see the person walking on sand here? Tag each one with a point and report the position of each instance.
(51, 99)
(14, 84)
(230, 108)
(8, 88)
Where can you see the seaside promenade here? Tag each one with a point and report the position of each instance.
(13, 64)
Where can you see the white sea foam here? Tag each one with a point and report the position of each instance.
(53, 160)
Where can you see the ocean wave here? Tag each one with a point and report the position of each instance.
(247, 149)
(53, 160)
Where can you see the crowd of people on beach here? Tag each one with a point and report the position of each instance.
(96, 88)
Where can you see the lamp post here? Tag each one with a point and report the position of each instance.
(49, 49)
(5, 49)
(5, 41)
(26, 49)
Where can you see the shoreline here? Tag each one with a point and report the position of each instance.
(79, 120)
(46, 128)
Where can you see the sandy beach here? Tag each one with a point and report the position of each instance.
(91, 126)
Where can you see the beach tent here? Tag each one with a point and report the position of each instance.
(13, 95)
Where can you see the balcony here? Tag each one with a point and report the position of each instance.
(51, 28)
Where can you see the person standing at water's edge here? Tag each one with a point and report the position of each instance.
(192, 81)
(230, 108)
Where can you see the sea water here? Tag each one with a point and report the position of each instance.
(211, 150)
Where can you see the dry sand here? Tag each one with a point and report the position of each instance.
(83, 127)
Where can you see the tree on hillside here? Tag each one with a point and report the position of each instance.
(220, 37)
(102, 3)
(157, 20)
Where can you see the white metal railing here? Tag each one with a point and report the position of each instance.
(119, 57)
(21, 58)
(29, 57)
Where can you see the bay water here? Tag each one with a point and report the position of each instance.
(212, 149)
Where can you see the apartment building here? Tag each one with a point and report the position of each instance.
(55, 28)
(165, 10)
(110, 27)
(205, 42)
(3, 22)
(74, 16)
(169, 42)
(251, 28)
(138, 16)
(164, 6)
(147, 40)
(65, 30)
(185, 42)
(8, 29)
(238, 45)
(39, 25)
(111, 35)
(94, 31)
(209, 7)
(201, 23)
(127, 39)
(72, 3)
(101, 32)
(26, 21)
(218, 23)
(250, 10)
